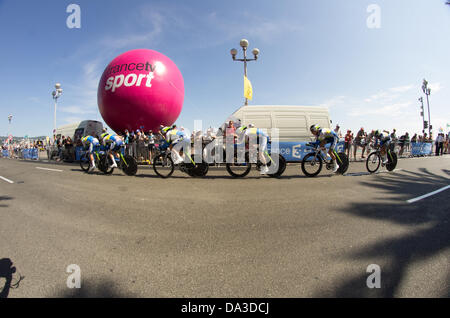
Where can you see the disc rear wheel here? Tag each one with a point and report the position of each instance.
(392, 161)
(280, 166)
(129, 166)
(343, 163)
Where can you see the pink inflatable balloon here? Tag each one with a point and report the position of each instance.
(140, 88)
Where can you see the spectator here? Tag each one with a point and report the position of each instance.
(230, 133)
(447, 144)
(142, 150)
(359, 142)
(348, 142)
(439, 144)
(337, 130)
(403, 142)
(151, 144)
(69, 150)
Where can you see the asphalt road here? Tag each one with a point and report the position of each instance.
(144, 236)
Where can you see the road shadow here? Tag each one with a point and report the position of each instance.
(5, 198)
(105, 288)
(428, 219)
(8, 273)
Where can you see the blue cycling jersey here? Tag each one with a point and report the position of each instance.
(90, 140)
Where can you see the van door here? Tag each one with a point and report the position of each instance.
(292, 126)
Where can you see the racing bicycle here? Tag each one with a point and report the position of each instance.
(100, 160)
(164, 166)
(239, 169)
(374, 160)
(126, 163)
(312, 162)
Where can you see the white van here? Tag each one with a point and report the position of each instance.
(293, 122)
(80, 129)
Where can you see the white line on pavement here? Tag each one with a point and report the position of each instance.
(428, 194)
(7, 180)
(365, 173)
(49, 169)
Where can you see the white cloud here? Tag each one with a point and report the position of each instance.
(333, 102)
(402, 89)
(393, 110)
(77, 110)
(434, 87)
(150, 35)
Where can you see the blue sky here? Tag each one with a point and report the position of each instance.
(312, 53)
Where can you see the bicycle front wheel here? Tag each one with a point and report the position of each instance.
(373, 162)
(85, 162)
(311, 165)
(239, 169)
(104, 164)
(163, 165)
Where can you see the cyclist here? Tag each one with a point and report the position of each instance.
(112, 144)
(89, 143)
(385, 140)
(326, 136)
(251, 132)
(177, 139)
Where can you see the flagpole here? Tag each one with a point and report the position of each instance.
(244, 45)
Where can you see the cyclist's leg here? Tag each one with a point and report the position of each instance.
(322, 146)
(175, 154)
(383, 150)
(112, 153)
(186, 149)
(263, 150)
(331, 153)
(331, 148)
(91, 155)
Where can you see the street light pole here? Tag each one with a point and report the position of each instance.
(427, 92)
(244, 46)
(56, 94)
(422, 114)
(9, 127)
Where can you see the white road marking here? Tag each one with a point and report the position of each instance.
(57, 170)
(7, 180)
(428, 194)
(365, 173)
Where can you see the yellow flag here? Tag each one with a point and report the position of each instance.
(248, 90)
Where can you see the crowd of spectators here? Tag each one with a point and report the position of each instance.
(16, 149)
(361, 140)
(142, 144)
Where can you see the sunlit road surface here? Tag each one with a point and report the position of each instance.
(144, 236)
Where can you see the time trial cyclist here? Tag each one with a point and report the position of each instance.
(89, 143)
(326, 136)
(385, 140)
(178, 139)
(250, 132)
(113, 143)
